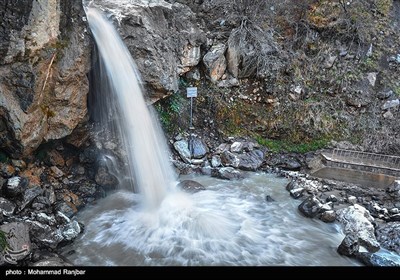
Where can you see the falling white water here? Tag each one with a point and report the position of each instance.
(143, 141)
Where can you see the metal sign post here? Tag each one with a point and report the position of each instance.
(191, 92)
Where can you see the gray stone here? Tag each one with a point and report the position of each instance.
(349, 245)
(190, 186)
(6, 207)
(71, 230)
(45, 234)
(216, 161)
(29, 195)
(215, 62)
(310, 207)
(391, 104)
(105, 179)
(296, 193)
(376, 259)
(230, 159)
(15, 186)
(197, 147)
(357, 220)
(388, 236)
(251, 161)
(236, 147)
(328, 216)
(182, 148)
(227, 173)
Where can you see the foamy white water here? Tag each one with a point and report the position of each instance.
(230, 224)
(143, 140)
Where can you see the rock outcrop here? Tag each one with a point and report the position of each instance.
(44, 59)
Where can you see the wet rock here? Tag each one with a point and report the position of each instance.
(230, 159)
(296, 193)
(197, 147)
(18, 243)
(358, 221)
(375, 259)
(236, 147)
(89, 155)
(328, 216)
(349, 245)
(66, 208)
(352, 199)
(331, 198)
(45, 235)
(227, 173)
(7, 207)
(395, 218)
(29, 195)
(15, 186)
(46, 219)
(251, 161)
(190, 186)
(71, 230)
(388, 236)
(105, 179)
(182, 148)
(49, 193)
(291, 185)
(216, 161)
(268, 198)
(310, 207)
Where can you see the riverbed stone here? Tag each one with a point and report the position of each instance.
(7, 207)
(388, 236)
(357, 220)
(190, 186)
(310, 207)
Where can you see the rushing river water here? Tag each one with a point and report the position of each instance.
(228, 224)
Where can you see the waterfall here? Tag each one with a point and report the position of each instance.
(140, 134)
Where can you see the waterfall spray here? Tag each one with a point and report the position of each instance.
(141, 135)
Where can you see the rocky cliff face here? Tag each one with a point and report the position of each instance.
(304, 72)
(163, 37)
(44, 58)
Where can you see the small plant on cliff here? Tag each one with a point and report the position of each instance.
(3, 241)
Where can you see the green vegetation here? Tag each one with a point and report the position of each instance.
(283, 145)
(169, 111)
(3, 241)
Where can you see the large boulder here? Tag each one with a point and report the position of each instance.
(44, 59)
(357, 221)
